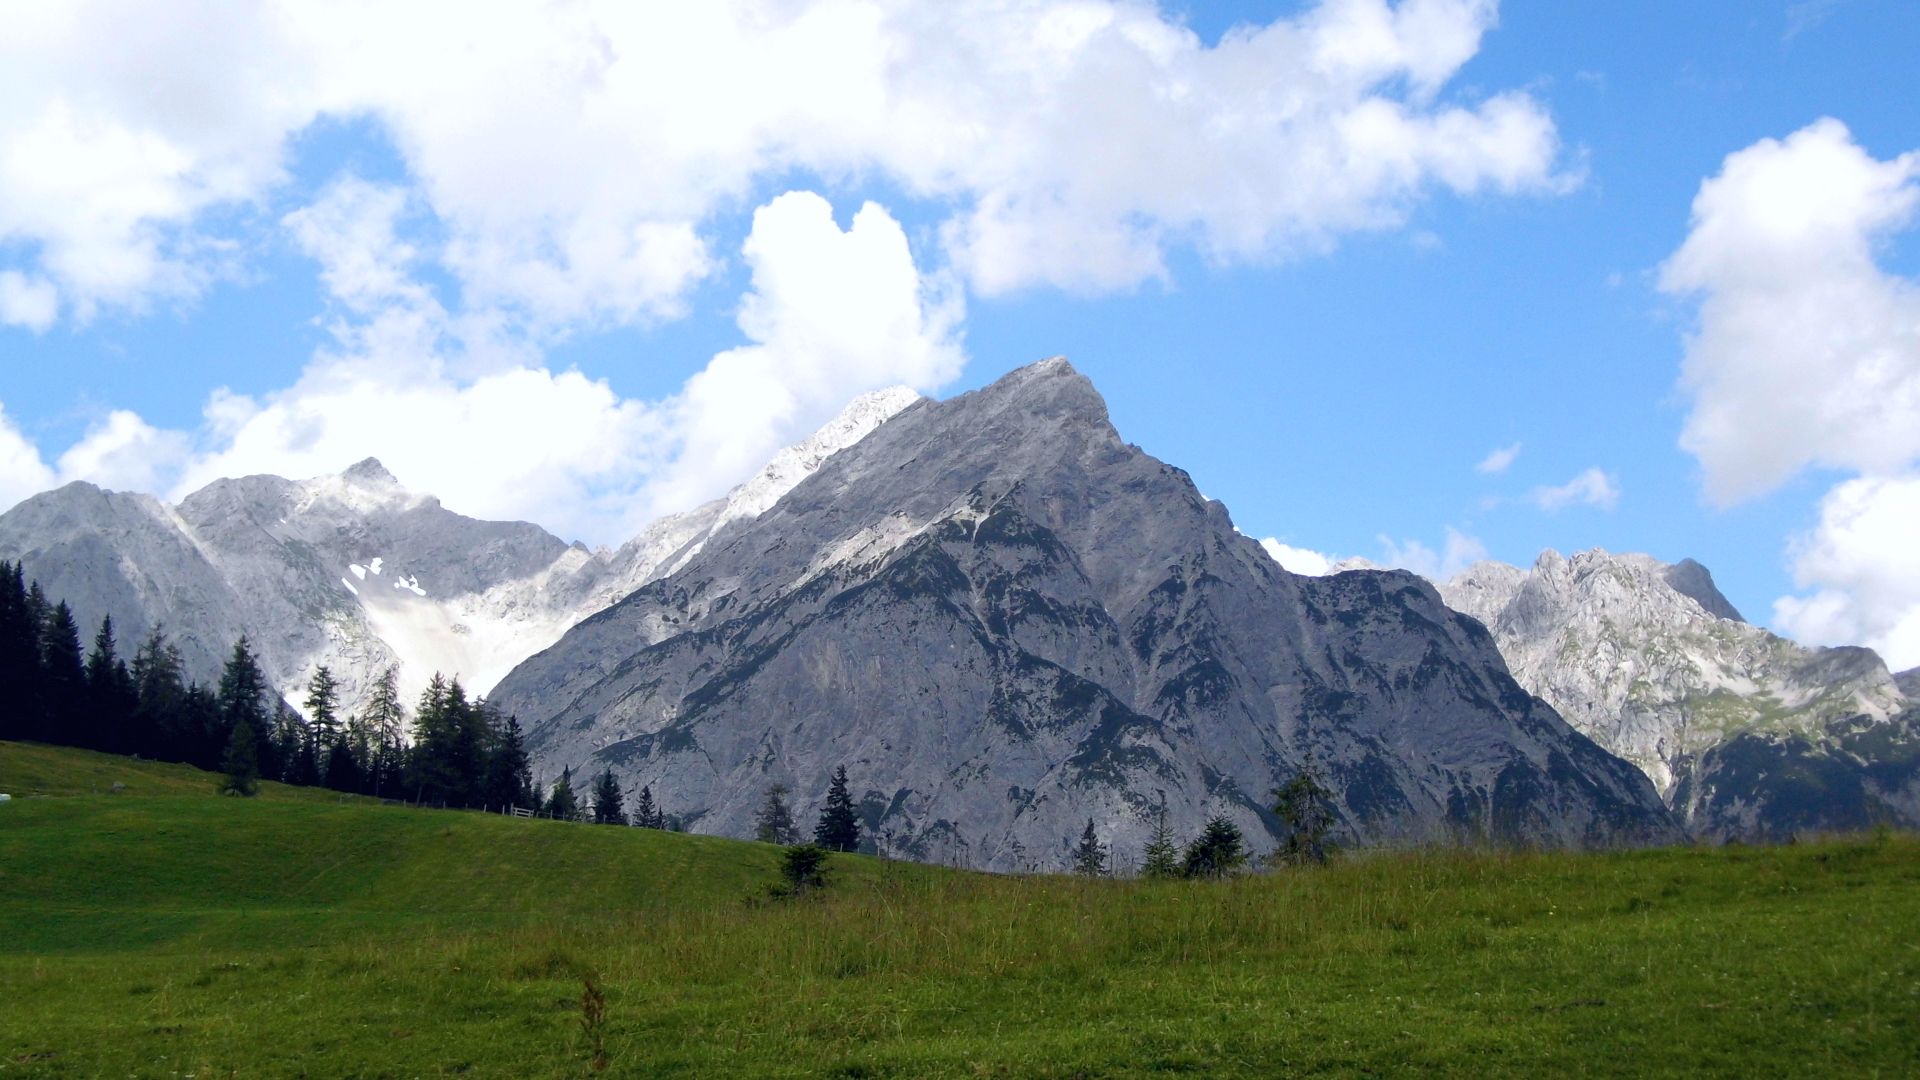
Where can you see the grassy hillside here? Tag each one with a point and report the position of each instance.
(176, 932)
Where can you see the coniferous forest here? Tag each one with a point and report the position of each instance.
(139, 701)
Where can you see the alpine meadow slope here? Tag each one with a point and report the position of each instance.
(1004, 620)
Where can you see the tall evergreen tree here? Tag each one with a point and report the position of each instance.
(1305, 807)
(343, 770)
(1160, 859)
(160, 725)
(646, 813)
(19, 657)
(1217, 851)
(561, 804)
(296, 754)
(383, 720)
(63, 681)
(1090, 858)
(509, 771)
(243, 696)
(609, 807)
(240, 762)
(774, 823)
(839, 827)
(323, 709)
(449, 744)
(111, 700)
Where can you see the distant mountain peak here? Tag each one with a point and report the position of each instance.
(1692, 580)
(369, 471)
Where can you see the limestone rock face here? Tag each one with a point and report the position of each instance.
(1004, 620)
(1656, 666)
(356, 572)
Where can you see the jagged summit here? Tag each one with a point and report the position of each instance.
(369, 471)
(1004, 620)
(1692, 580)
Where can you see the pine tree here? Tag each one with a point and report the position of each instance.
(1217, 851)
(774, 823)
(242, 696)
(343, 770)
(509, 772)
(241, 763)
(561, 805)
(1090, 858)
(161, 728)
(1160, 859)
(323, 709)
(1305, 806)
(111, 700)
(63, 681)
(646, 813)
(295, 752)
(839, 826)
(19, 656)
(609, 807)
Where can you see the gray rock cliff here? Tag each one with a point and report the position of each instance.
(1004, 620)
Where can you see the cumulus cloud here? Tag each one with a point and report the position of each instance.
(1298, 560)
(576, 156)
(1861, 564)
(1806, 352)
(1498, 461)
(27, 301)
(1592, 487)
(1457, 552)
(22, 473)
(831, 313)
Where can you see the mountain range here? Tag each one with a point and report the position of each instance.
(1005, 621)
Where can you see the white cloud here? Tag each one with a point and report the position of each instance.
(576, 157)
(22, 473)
(1592, 487)
(831, 314)
(122, 452)
(28, 301)
(1458, 552)
(1298, 560)
(1862, 564)
(1806, 352)
(1498, 461)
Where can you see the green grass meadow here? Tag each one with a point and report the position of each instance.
(165, 931)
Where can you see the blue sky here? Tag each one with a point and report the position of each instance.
(589, 264)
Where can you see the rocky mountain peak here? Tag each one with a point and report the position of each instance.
(1690, 579)
(370, 471)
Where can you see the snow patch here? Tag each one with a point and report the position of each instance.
(410, 584)
(358, 570)
(349, 585)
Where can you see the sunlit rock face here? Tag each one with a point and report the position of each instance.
(1746, 734)
(1004, 620)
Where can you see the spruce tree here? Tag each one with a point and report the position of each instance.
(449, 745)
(774, 823)
(19, 656)
(1217, 851)
(839, 827)
(296, 755)
(1305, 807)
(161, 728)
(323, 709)
(343, 770)
(646, 813)
(111, 700)
(242, 696)
(63, 681)
(609, 807)
(1160, 859)
(1090, 858)
(562, 805)
(240, 762)
(509, 772)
